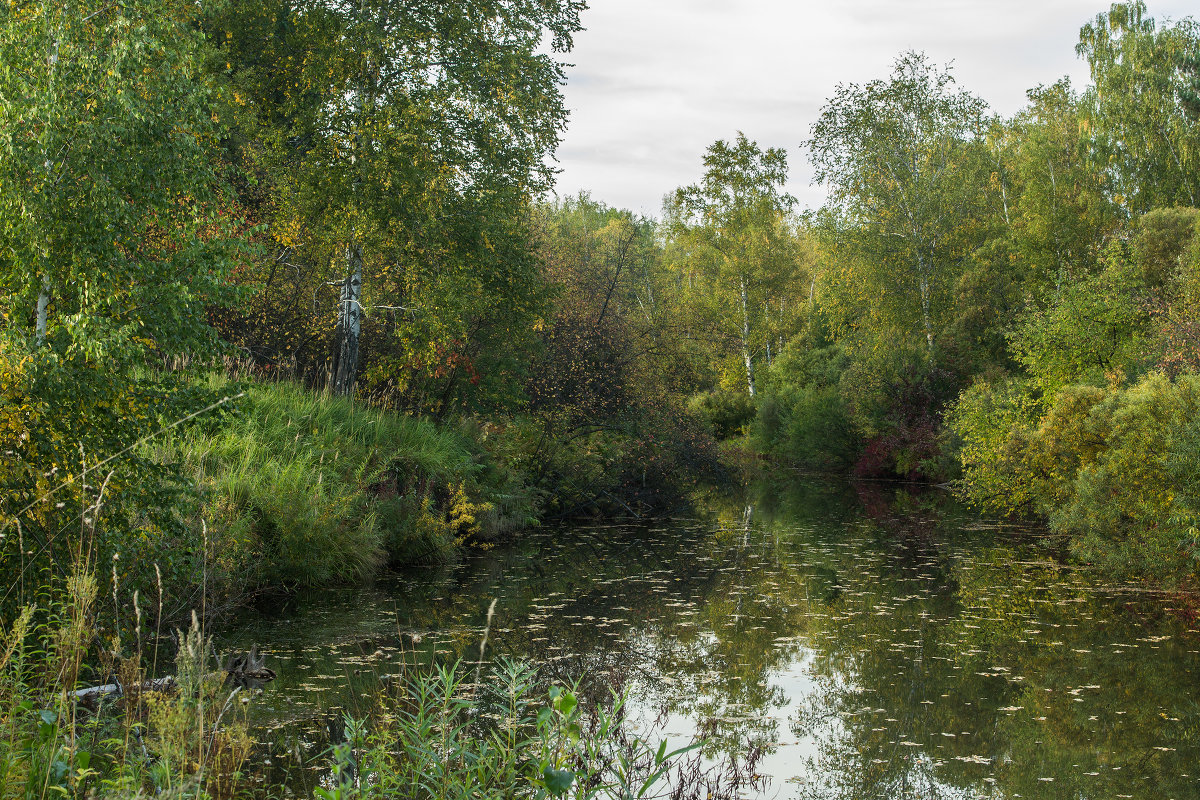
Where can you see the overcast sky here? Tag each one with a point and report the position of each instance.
(655, 82)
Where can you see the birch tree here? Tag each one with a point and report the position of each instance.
(902, 159)
(1138, 105)
(407, 140)
(1064, 210)
(733, 231)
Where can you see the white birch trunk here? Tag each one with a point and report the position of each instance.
(925, 317)
(39, 329)
(746, 339)
(43, 304)
(349, 325)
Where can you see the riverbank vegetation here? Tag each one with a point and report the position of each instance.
(352, 205)
(439, 732)
(1004, 304)
(428, 356)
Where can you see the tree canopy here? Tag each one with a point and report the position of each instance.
(902, 156)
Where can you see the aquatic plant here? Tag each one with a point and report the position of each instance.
(444, 737)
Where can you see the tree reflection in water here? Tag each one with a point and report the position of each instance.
(870, 643)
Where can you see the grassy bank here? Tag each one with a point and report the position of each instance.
(304, 489)
(203, 491)
(275, 489)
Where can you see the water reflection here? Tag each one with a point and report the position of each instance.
(871, 645)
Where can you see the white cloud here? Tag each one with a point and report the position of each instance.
(657, 81)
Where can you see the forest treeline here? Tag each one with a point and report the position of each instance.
(286, 297)
(1011, 303)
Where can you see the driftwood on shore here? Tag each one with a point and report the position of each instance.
(244, 670)
(93, 693)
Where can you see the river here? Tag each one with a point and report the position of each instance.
(867, 642)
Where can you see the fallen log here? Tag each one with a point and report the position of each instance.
(93, 693)
(243, 670)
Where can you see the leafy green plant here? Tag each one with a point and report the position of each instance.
(444, 738)
(726, 413)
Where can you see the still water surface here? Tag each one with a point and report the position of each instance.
(871, 647)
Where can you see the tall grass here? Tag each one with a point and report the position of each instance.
(186, 738)
(308, 489)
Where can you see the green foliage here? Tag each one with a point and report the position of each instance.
(441, 740)
(407, 138)
(1112, 468)
(110, 208)
(726, 413)
(75, 485)
(989, 419)
(1132, 509)
(606, 316)
(801, 417)
(1093, 327)
(1164, 243)
(1189, 95)
(1176, 323)
(987, 300)
(903, 160)
(1062, 207)
(1150, 141)
(605, 428)
(113, 240)
(1067, 440)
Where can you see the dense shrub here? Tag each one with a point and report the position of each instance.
(801, 416)
(1164, 238)
(643, 464)
(1113, 468)
(73, 484)
(727, 413)
(1132, 508)
(807, 426)
(1019, 455)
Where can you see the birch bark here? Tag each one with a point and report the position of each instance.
(349, 325)
(746, 338)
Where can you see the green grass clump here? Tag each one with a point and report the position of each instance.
(306, 489)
